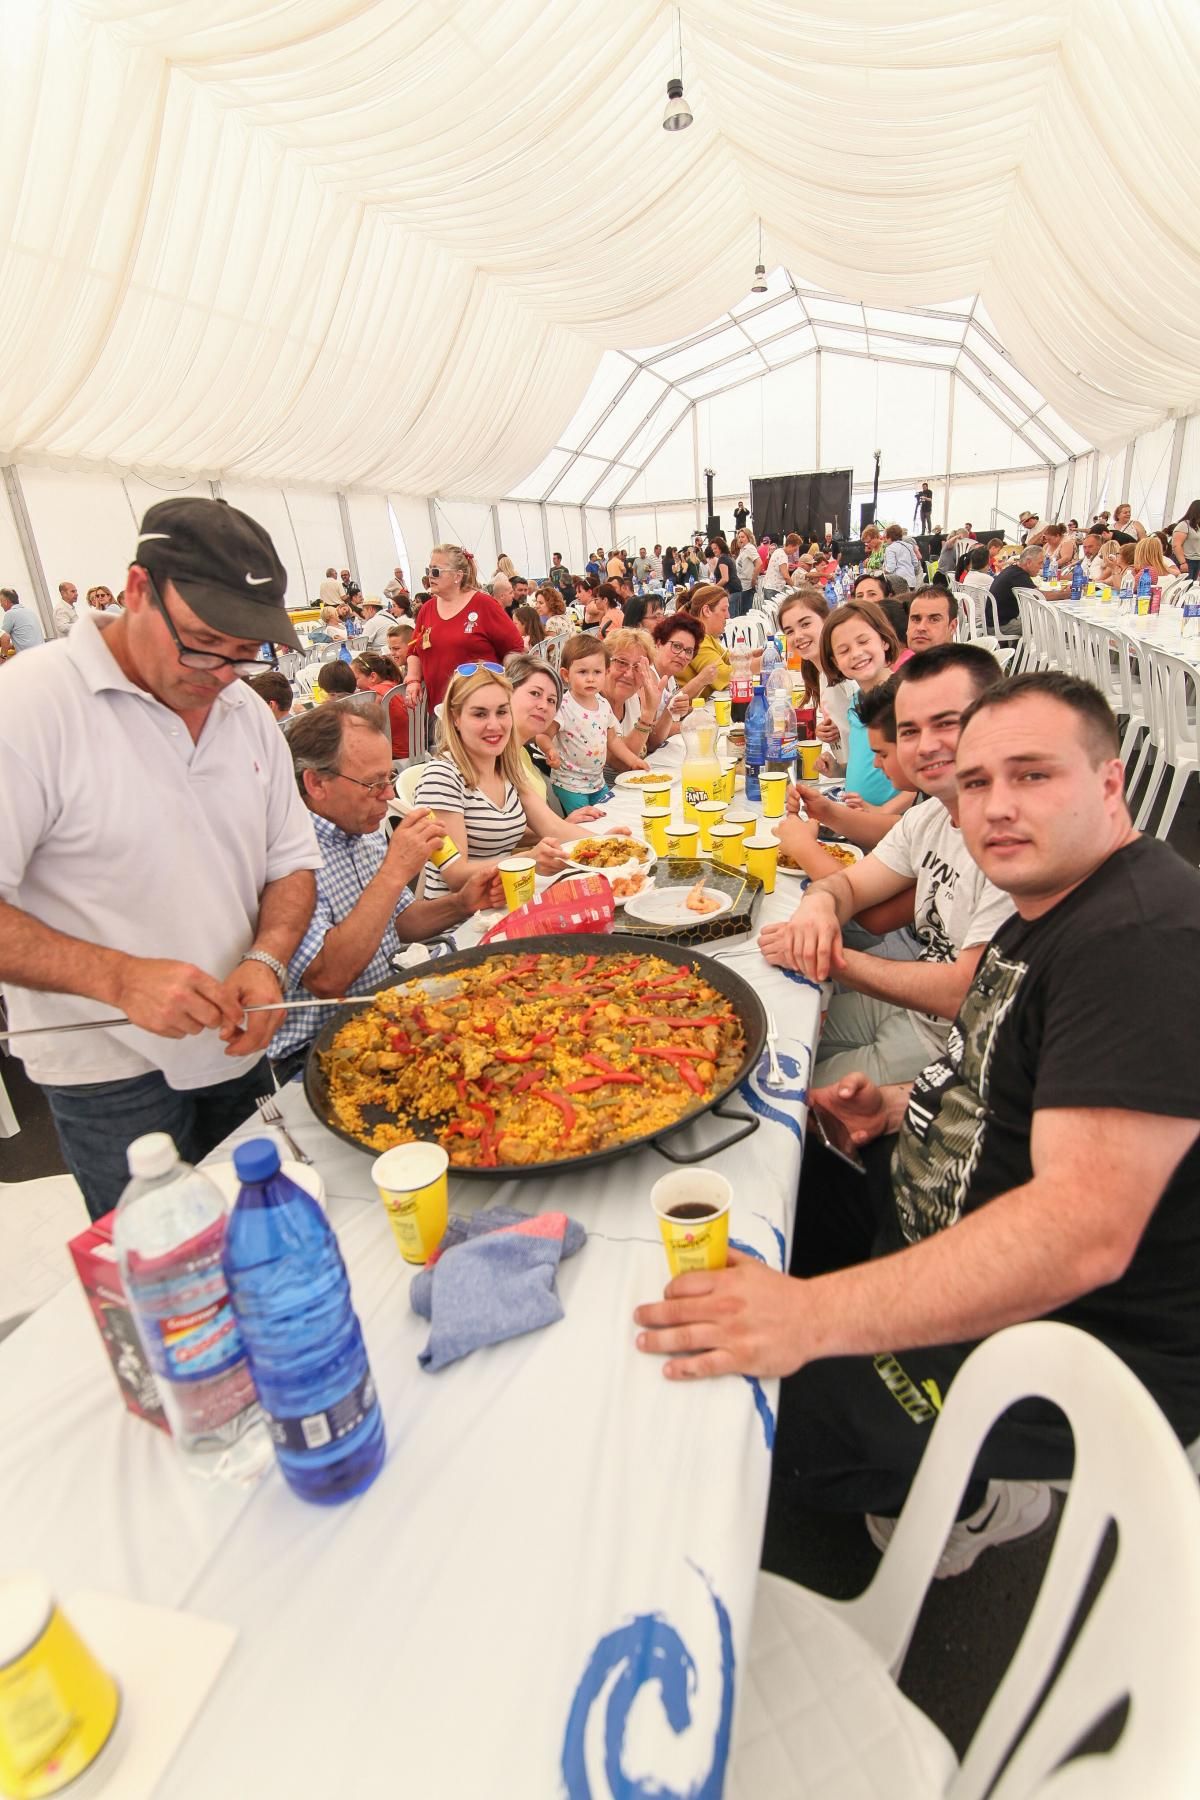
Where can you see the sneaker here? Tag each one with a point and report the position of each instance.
(1011, 1509)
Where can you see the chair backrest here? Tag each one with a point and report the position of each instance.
(1131, 1471)
(1177, 697)
(754, 627)
(406, 786)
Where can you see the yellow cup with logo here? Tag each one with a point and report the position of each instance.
(683, 840)
(58, 1706)
(810, 759)
(518, 875)
(412, 1184)
(446, 852)
(708, 814)
(774, 785)
(656, 794)
(723, 708)
(655, 821)
(762, 857)
(727, 846)
(692, 1209)
(727, 785)
(746, 822)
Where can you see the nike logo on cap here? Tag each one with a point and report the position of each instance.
(257, 580)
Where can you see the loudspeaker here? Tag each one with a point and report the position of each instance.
(713, 528)
(866, 514)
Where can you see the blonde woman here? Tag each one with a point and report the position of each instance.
(459, 624)
(1148, 554)
(479, 787)
(330, 630)
(505, 566)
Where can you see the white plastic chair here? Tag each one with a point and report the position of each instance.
(1174, 733)
(820, 1715)
(755, 627)
(406, 787)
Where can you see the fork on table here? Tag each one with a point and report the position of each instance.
(774, 1077)
(269, 1113)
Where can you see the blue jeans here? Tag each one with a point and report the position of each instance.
(572, 802)
(97, 1122)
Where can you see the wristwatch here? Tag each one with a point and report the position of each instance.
(278, 969)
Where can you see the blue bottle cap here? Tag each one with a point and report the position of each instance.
(256, 1160)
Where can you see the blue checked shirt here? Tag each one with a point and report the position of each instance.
(350, 863)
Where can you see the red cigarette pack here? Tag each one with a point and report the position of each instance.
(96, 1264)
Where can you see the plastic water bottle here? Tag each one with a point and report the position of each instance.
(169, 1234)
(756, 742)
(771, 660)
(1190, 626)
(1144, 584)
(741, 681)
(1077, 581)
(291, 1298)
(1047, 566)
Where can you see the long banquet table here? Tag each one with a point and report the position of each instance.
(548, 1589)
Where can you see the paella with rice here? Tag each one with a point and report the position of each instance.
(530, 1058)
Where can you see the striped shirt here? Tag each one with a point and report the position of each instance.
(492, 831)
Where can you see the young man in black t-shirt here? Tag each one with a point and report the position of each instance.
(1047, 1165)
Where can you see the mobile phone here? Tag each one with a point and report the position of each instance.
(834, 1134)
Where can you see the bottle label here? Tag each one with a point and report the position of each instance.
(188, 1324)
(315, 1431)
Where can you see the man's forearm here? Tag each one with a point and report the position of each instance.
(1019, 1257)
(284, 909)
(923, 987)
(865, 826)
(425, 918)
(34, 955)
(836, 889)
(349, 947)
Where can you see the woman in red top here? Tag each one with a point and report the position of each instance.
(458, 625)
(378, 675)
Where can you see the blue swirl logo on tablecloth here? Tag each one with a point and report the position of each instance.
(795, 1089)
(761, 1404)
(645, 1650)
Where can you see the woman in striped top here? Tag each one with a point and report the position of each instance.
(478, 787)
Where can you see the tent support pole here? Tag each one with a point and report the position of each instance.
(1127, 476)
(1174, 467)
(33, 561)
(817, 416)
(348, 535)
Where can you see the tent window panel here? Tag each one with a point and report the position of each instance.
(710, 349)
(627, 415)
(374, 545)
(879, 318)
(612, 372)
(775, 319)
(541, 479)
(576, 481)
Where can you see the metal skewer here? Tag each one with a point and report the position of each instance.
(120, 1019)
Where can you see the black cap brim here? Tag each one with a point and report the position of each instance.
(239, 615)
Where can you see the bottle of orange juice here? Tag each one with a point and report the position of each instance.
(701, 766)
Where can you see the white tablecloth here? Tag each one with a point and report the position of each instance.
(556, 1529)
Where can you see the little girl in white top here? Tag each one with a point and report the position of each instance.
(584, 734)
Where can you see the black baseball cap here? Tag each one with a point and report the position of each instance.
(223, 563)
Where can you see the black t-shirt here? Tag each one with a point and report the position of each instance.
(1093, 1005)
(1004, 592)
(740, 516)
(731, 581)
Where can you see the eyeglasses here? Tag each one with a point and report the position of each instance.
(474, 668)
(680, 647)
(208, 659)
(380, 789)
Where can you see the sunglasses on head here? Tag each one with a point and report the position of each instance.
(474, 668)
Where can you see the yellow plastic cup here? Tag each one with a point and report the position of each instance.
(708, 814)
(655, 821)
(762, 857)
(810, 759)
(746, 821)
(58, 1706)
(774, 785)
(723, 708)
(683, 840)
(517, 874)
(445, 853)
(727, 846)
(656, 794)
(727, 786)
(412, 1184)
(699, 1239)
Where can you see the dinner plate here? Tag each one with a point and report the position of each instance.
(851, 851)
(303, 1174)
(639, 778)
(668, 906)
(646, 860)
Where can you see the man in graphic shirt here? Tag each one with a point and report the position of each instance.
(1046, 1166)
(889, 1017)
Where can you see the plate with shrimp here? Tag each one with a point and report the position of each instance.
(680, 905)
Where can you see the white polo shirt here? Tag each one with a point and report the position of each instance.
(373, 635)
(116, 828)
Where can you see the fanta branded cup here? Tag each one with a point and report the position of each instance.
(412, 1184)
(655, 821)
(58, 1706)
(692, 1209)
(518, 877)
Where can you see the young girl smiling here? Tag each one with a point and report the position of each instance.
(584, 734)
(858, 647)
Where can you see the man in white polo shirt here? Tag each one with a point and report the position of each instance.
(156, 861)
(376, 623)
(891, 1018)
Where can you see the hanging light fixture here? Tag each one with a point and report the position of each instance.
(678, 115)
(760, 268)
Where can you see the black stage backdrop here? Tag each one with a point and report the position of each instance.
(803, 503)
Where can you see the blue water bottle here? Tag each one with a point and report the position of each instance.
(1047, 566)
(1077, 580)
(291, 1299)
(756, 742)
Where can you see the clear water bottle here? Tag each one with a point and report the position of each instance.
(781, 720)
(291, 1298)
(1047, 566)
(1077, 581)
(756, 742)
(169, 1235)
(1190, 626)
(771, 659)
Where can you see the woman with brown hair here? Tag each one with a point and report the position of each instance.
(377, 674)
(552, 611)
(858, 650)
(458, 624)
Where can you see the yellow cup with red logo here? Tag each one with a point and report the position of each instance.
(58, 1706)
(656, 794)
(774, 785)
(446, 851)
(683, 840)
(692, 1209)
(708, 814)
(413, 1186)
(727, 846)
(762, 858)
(518, 875)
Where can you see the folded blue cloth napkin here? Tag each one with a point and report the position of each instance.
(493, 1278)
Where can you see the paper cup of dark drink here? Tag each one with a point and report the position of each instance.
(692, 1209)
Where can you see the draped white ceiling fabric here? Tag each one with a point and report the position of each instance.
(383, 244)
